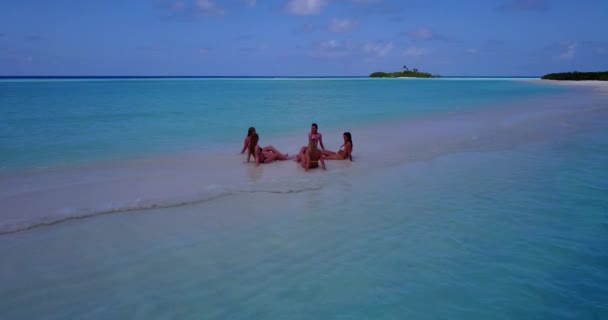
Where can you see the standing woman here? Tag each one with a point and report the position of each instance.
(263, 155)
(312, 156)
(345, 151)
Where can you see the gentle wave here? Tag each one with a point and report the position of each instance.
(212, 193)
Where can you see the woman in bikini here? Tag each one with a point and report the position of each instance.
(312, 156)
(250, 132)
(313, 135)
(263, 155)
(345, 151)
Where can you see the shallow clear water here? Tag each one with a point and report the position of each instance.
(507, 219)
(49, 122)
(515, 233)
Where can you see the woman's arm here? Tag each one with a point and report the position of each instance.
(348, 148)
(245, 145)
(322, 161)
(257, 157)
(321, 141)
(306, 162)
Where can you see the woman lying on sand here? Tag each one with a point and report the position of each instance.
(250, 132)
(263, 155)
(345, 151)
(312, 156)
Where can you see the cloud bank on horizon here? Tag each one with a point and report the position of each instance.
(301, 37)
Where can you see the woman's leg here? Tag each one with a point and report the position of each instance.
(335, 156)
(279, 155)
(305, 162)
(270, 156)
(328, 153)
(301, 154)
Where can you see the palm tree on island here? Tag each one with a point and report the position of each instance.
(406, 73)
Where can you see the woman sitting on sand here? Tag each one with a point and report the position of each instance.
(312, 156)
(263, 155)
(345, 151)
(313, 135)
(250, 132)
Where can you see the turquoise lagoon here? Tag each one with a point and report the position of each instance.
(467, 199)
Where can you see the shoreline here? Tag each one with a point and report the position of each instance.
(597, 85)
(175, 180)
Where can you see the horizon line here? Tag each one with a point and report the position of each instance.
(232, 76)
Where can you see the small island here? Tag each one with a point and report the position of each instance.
(406, 73)
(577, 76)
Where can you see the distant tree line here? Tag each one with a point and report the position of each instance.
(414, 73)
(410, 74)
(577, 76)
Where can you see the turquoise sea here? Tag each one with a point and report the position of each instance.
(46, 122)
(467, 199)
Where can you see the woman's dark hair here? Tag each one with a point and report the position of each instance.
(349, 137)
(253, 143)
(250, 131)
(316, 126)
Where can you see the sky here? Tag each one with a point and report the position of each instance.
(301, 37)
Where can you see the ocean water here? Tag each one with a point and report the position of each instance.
(45, 123)
(493, 205)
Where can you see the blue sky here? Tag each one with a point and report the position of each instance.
(301, 37)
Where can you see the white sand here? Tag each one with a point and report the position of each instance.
(598, 86)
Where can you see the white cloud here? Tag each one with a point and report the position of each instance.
(424, 33)
(328, 45)
(378, 49)
(209, 7)
(473, 51)
(305, 7)
(414, 52)
(421, 34)
(192, 8)
(340, 25)
(332, 48)
(569, 52)
(251, 3)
